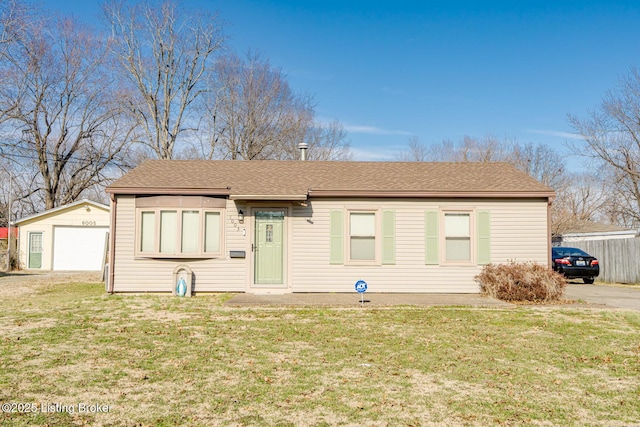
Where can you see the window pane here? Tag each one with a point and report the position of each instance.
(168, 231)
(363, 248)
(190, 223)
(458, 249)
(212, 232)
(148, 232)
(456, 225)
(36, 242)
(363, 224)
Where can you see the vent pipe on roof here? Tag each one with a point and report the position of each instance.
(303, 150)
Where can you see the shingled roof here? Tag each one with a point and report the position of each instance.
(298, 180)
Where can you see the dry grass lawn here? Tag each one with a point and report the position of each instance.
(161, 360)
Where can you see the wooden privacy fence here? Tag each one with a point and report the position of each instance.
(619, 258)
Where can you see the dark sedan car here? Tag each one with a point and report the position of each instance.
(575, 263)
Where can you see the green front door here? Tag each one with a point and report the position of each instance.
(269, 247)
(35, 250)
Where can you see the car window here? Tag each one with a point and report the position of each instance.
(568, 252)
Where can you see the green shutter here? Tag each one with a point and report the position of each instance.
(431, 230)
(484, 237)
(336, 245)
(388, 237)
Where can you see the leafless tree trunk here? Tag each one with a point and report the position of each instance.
(611, 135)
(59, 111)
(167, 57)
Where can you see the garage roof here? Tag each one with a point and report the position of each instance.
(61, 208)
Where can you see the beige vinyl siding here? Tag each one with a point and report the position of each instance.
(518, 231)
(156, 275)
(75, 216)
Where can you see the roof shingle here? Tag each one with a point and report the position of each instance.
(285, 179)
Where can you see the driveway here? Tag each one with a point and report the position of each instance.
(608, 296)
(26, 282)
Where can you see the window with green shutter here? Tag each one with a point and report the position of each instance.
(483, 229)
(431, 231)
(336, 244)
(388, 237)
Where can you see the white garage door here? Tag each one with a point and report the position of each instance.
(79, 248)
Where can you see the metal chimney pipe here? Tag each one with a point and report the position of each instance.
(303, 150)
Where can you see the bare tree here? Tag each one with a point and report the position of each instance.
(14, 16)
(256, 115)
(580, 197)
(468, 149)
(612, 136)
(166, 55)
(537, 160)
(415, 152)
(62, 124)
(256, 110)
(326, 142)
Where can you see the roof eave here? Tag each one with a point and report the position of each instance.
(430, 194)
(169, 191)
(629, 232)
(283, 197)
(61, 208)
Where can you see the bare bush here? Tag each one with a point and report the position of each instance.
(521, 282)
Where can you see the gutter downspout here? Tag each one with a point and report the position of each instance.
(112, 242)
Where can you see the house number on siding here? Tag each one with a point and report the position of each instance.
(88, 223)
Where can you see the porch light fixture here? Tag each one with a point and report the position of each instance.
(241, 216)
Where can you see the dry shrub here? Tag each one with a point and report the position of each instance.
(521, 282)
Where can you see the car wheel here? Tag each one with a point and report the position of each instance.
(588, 281)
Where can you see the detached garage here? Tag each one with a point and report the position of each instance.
(67, 238)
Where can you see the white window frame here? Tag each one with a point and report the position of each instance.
(377, 237)
(178, 253)
(443, 238)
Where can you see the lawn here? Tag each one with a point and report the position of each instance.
(148, 360)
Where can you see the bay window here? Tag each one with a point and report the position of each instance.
(179, 233)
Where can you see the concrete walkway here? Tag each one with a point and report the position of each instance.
(371, 300)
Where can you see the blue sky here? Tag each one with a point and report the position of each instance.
(437, 69)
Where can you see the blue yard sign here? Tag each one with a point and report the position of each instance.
(361, 288)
